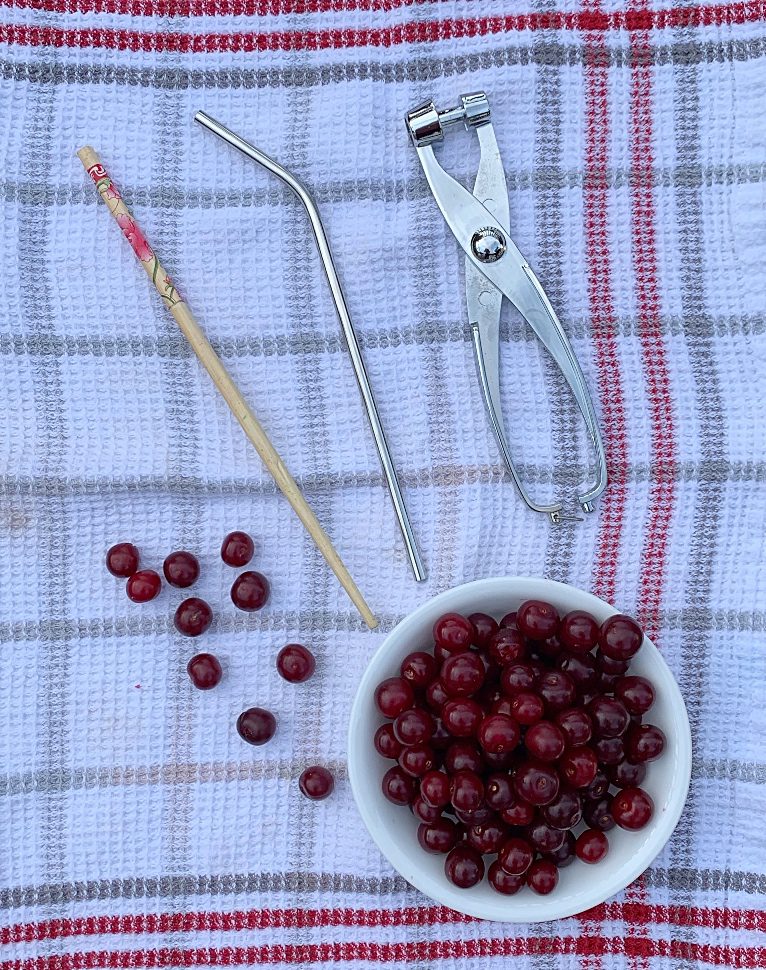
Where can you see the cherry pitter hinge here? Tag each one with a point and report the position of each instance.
(495, 268)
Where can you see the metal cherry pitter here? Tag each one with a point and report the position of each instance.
(495, 268)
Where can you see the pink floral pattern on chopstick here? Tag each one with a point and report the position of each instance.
(132, 232)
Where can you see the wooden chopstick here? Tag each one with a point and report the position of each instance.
(220, 376)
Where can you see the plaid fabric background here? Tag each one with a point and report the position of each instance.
(136, 830)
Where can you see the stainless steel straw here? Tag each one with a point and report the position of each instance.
(345, 321)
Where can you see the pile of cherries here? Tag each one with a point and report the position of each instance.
(249, 592)
(508, 736)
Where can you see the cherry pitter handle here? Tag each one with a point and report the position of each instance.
(495, 268)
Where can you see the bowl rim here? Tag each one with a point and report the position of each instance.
(595, 891)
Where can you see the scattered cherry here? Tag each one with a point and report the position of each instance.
(466, 791)
(295, 663)
(591, 846)
(463, 756)
(609, 717)
(122, 560)
(453, 632)
(557, 689)
(316, 782)
(537, 620)
(250, 591)
(393, 696)
(193, 617)
(487, 837)
(565, 811)
(256, 725)
(417, 759)
(143, 586)
(597, 813)
(625, 774)
(576, 725)
(565, 854)
(632, 808)
(204, 671)
(237, 549)
(536, 783)
(422, 810)
(542, 876)
(578, 766)
(464, 867)
(181, 569)
(498, 791)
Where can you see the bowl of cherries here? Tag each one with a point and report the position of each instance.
(519, 750)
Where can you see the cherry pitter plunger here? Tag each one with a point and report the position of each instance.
(495, 268)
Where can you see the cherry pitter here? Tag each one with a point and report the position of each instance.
(495, 268)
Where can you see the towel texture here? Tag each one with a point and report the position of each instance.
(136, 829)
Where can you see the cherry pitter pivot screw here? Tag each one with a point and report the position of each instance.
(495, 268)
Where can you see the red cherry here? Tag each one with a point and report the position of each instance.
(462, 717)
(608, 665)
(439, 836)
(517, 677)
(536, 783)
(632, 808)
(544, 837)
(316, 783)
(518, 812)
(436, 696)
(578, 631)
(422, 810)
(398, 787)
(498, 733)
(507, 646)
(598, 787)
(204, 671)
(502, 881)
(609, 717)
(394, 695)
(295, 663)
(435, 788)
(122, 559)
(192, 617)
(419, 668)
(636, 693)
(591, 846)
(385, 742)
(250, 591)
(581, 667)
(463, 756)
(575, 724)
(413, 726)
(537, 620)
(486, 837)
(644, 742)
(462, 674)
(578, 766)
(143, 586)
(417, 759)
(557, 689)
(453, 632)
(565, 811)
(237, 549)
(542, 876)
(565, 854)
(515, 856)
(464, 867)
(624, 774)
(620, 637)
(509, 620)
(181, 569)
(484, 626)
(498, 791)
(545, 741)
(597, 813)
(609, 751)
(256, 725)
(527, 708)
(466, 791)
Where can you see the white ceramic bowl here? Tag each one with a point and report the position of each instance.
(580, 886)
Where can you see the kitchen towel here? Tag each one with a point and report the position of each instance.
(136, 828)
